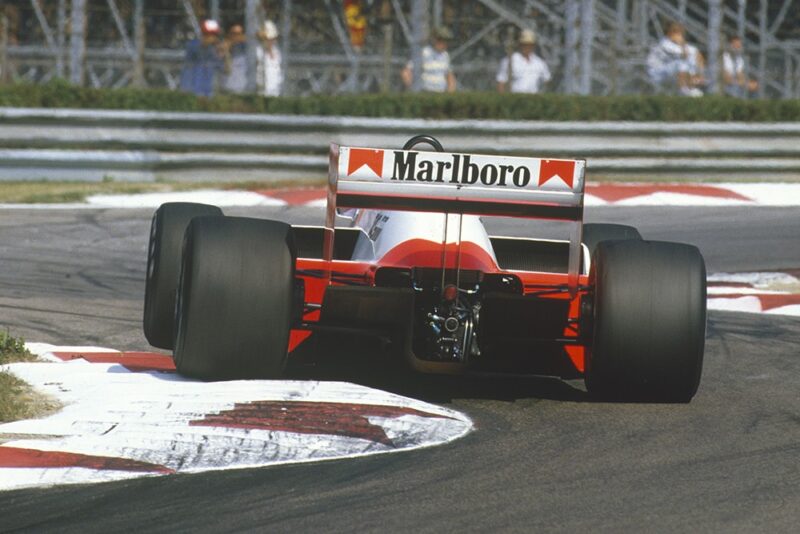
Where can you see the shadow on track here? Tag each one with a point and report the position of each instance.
(385, 373)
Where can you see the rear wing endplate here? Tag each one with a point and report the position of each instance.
(490, 185)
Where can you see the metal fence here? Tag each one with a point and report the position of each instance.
(591, 46)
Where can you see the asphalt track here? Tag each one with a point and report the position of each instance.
(543, 458)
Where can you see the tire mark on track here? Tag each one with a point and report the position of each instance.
(72, 314)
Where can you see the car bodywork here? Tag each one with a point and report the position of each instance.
(416, 267)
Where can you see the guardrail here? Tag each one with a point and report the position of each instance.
(143, 145)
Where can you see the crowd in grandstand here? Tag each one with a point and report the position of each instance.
(213, 62)
(674, 66)
(217, 60)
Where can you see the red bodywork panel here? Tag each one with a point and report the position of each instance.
(419, 253)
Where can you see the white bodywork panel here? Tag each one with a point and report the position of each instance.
(407, 195)
(383, 231)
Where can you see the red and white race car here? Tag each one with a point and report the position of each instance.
(233, 297)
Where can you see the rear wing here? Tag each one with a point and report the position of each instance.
(445, 182)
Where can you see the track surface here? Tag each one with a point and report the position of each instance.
(542, 458)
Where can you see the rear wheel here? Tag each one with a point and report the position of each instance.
(163, 267)
(595, 233)
(649, 321)
(235, 297)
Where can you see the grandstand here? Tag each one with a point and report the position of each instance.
(592, 46)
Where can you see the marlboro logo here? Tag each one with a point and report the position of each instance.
(359, 157)
(369, 164)
(462, 170)
(459, 170)
(556, 168)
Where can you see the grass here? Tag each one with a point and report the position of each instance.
(12, 349)
(18, 400)
(58, 192)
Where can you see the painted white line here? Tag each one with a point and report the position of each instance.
(774, 293)
(759, 280)
(153, 200)
(118, 424)
(45, 350)
(749, 304)
(320, 203)
(727, 290)
(792, 309)
(64, 206)
(768, 194)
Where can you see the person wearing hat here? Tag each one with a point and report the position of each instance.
(436, 75)
(203, 61)
(526, 71)
(270, 67)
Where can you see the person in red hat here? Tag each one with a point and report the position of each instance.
(203, 61)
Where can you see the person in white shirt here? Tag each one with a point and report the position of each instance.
(733, 73)
(270, 70)
(527, 71)
(673, 62)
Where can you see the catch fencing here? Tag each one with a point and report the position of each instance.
(591, 46)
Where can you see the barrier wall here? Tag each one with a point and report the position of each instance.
(137, 145)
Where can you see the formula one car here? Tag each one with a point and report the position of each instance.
(415, 267)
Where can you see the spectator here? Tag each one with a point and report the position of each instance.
(203, 60)
(697, 67)
(270, 69)
(436, 75)
(527, 71)
(235, 49)
(735, 80)
(673, 63)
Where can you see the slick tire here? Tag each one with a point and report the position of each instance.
(235, 299)
(595, 233)
(649, 320)
(163, 268)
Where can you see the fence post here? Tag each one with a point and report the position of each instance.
(4, 77)
(250, 30)
(139, 43)
(286, 28)
(762, 48)
(61, 25)
(570, 46)
(388, 33)
(714, 39)
(437, 13)
(77, 41)
(587, 38)
(620, 16)
(419, 30)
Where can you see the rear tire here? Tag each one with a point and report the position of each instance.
(649, 321)
(163, 268)
(595, 233)
(234, 306)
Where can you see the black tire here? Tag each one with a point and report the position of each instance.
(163, 268)
(649, 321)
(234, 307)
(595, 233)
